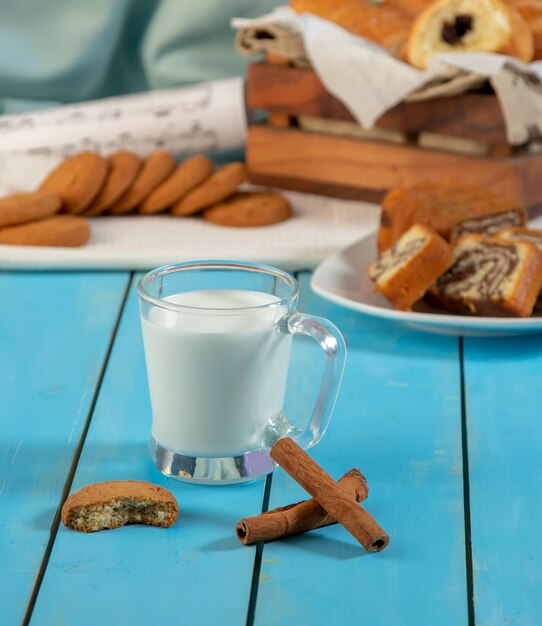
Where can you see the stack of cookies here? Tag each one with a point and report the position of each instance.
(88, 185)
(462, 250)
(30, 219)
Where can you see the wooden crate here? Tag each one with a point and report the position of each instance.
(311, 142)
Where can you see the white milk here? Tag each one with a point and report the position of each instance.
(216, 378)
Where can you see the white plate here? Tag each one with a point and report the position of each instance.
(342, 278)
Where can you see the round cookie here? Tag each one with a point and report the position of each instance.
(114, 503)
(188, 175)
(59, 230)
(123, 169)
(249, 209)
(77, 180)
(156, 168)
(25, 207)
(222, 184)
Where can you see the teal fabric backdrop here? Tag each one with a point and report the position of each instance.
(58, 51)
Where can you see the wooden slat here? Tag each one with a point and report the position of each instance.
(54, 334)
(196, 571)
(503, 400)
(399, 420)
(344, 167)
(299, 92)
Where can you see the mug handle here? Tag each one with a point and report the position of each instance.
(333, 344)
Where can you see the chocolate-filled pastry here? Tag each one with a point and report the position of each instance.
(490, 277)
(405, 271)
(379, 22)
(467, 26)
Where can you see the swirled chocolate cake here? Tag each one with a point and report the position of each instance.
(531, 236)
(449, 210)
(490, 277)
(404, 272)
(522, 234)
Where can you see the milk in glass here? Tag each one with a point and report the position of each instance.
(217, 372)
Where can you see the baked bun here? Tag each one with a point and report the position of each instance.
(467, 26)
(382, 23)
(531, 12)
(410, 7)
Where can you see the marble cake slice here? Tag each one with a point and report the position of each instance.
(529, 235)
(490, 277)
(450, 210)
(404, 272)
(519, 233)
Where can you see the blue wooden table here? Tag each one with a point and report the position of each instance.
(447, 431)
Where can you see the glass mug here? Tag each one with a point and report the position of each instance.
(217, 338)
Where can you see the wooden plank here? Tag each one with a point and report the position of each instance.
(299, 92)
(399, 420)
(323, 188)
(292, 159)
(142, 575)
(503, 400)
(54, 334)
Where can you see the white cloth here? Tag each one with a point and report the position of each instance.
(369, 81)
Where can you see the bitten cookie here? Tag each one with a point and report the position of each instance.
(123, 169)
(77, 180)
(247, 209)
(115, 503)
(405, 271)
(59, 230)
(25, 207)
(156, 168)
(188, 175)
(222, 184)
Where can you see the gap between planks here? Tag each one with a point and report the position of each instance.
(76, 456)
(254, 585)
(466, 490)
(253, 597)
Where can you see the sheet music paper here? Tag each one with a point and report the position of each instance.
(205, 117)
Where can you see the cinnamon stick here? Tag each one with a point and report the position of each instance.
(299, 517)
(316, 481)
